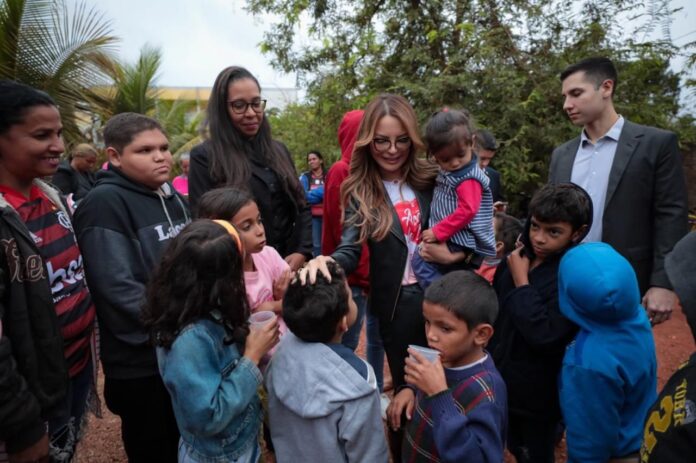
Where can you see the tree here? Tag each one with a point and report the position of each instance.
(133, 86)
(500, 59)
(65, 52)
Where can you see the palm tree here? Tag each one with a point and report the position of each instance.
(65, 52)
(133, 86)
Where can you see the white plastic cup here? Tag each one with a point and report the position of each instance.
(259, 319)
(430, 354)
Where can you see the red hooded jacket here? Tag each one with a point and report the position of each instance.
(333, 218)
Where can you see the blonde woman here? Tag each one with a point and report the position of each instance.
(388, 191)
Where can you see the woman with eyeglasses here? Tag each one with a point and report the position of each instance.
(240, 153)
(388, 190)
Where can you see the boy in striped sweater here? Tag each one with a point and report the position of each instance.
(456, 405)
(461, 212)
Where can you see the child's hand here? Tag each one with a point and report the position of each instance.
(427, 376)
(314, 266)
(404, 400)
(295, 261)
(519, 267)
(281, 284)
(260, 340)
(271, 306)
(427, 236)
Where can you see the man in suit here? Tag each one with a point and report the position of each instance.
(633, 174)
(485, 147)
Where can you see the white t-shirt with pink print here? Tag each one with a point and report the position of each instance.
(408, 210)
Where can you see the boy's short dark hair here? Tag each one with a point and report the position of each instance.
(597, 70)
(121, 129)
(467, 295)
(508, 231)
(562, 202)
(313, 311)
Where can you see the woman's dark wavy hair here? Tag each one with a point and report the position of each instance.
(229, 164)
(200, 271)
(15, 101)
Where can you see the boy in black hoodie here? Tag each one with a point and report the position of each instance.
(531, 333)
(123, 225)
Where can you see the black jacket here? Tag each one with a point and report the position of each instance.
(33, 374)
(123, 228)
(297, 237)
(530, 337)
(387, 258)
(68, 181)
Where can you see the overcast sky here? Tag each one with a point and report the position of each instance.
(201, 37)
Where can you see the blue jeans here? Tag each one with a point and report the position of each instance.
(316, 235)
(64, 429)
(375, 351)
(186, 455)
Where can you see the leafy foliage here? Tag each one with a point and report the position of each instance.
(63, 51)
(500, 59)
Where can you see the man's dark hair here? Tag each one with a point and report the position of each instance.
(15, 101)
(485, 140)
(121, 129)
(467, 295)
(562, 202)
(508, 229)
(313, 311)
(597, 70)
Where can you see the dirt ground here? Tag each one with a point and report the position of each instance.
(673, 340)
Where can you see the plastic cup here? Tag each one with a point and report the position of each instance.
(430, 354)
(259, 319)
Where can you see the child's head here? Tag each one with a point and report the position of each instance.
(320, 312)
(507, 231)
(30, 134)
(559, 215)
(239, 208)
(138, 146)
(83, 157)
(200, 272)
(449, 136)
(459, 327)
(681, 268)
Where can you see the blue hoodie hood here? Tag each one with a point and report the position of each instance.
(597, 286)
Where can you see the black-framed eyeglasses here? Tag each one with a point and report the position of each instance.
(383, 145)
(241, 106)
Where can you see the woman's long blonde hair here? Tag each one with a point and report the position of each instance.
(363, 189)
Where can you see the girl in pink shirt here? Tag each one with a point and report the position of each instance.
(266, 274)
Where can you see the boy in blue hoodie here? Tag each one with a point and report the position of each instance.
(531, 333)
(323, 402)
(123, 226)
(609, 374)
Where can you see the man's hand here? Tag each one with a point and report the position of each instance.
(427, 236)
(427, 376)
(405, 400)
(36, 453)
(519, 267)
(659, 302)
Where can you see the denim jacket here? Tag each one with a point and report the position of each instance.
(213, 391)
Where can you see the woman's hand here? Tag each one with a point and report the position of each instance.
(309, 271)
(260, 340)
(439, 253)
(295, 261)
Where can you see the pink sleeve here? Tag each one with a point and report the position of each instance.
(469, 194)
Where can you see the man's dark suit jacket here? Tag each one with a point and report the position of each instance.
(645, 212)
